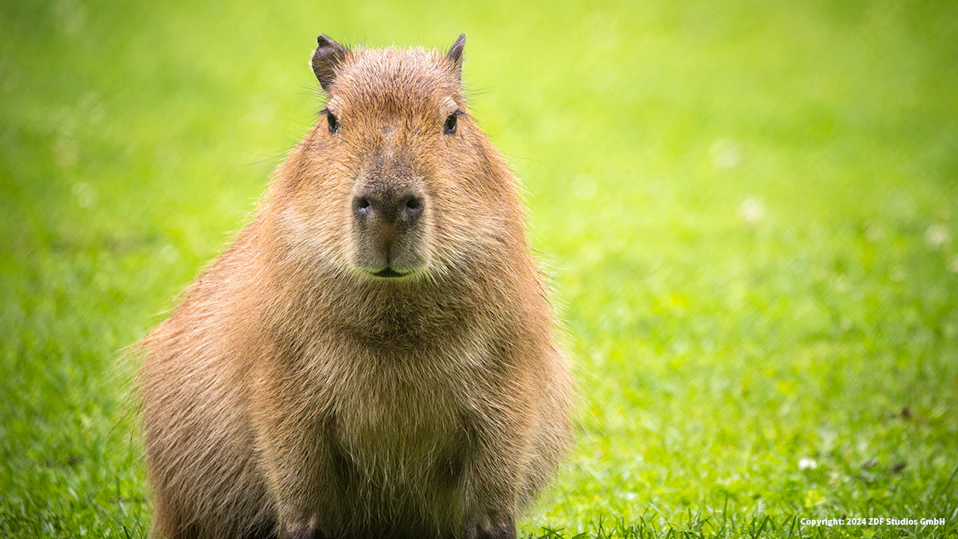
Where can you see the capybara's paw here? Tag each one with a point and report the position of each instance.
(504, 528)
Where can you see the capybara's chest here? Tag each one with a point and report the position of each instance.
(405, 428)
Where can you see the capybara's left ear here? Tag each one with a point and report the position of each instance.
(327, 57)
(455, 55)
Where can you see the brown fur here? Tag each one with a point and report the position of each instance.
(292, 393)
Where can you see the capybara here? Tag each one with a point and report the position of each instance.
(375, 355)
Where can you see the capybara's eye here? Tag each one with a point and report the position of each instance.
(333, 122)
(450, 126)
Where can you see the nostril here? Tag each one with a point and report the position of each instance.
(361, 205)
(413, 207)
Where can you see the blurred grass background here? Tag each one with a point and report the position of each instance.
(748, 207)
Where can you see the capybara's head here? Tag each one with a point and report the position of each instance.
(396, 181)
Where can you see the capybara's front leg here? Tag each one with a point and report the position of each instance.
(493, 514)
(300, 479)
(497, 472)
(296, 454)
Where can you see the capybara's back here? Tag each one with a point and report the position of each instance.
(374, 356)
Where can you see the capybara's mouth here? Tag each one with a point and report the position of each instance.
(389, 273)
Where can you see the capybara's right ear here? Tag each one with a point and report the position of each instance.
(327, 57)
(455, 55)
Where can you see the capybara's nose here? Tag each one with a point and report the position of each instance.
(399, 209)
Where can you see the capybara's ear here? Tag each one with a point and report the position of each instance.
(327, 57)
(455, 55)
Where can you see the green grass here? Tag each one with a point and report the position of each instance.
(750, 210)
